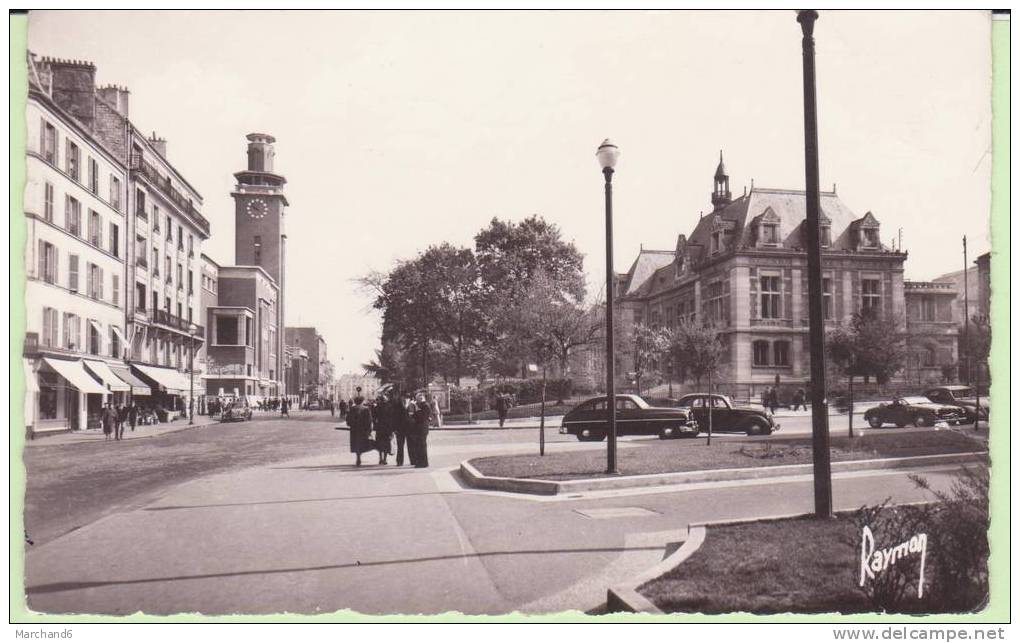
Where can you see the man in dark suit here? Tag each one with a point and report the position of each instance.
(422, 413)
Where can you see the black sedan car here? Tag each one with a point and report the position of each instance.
(589, 420)
(727, 416)
(961, 396)
(918, 411)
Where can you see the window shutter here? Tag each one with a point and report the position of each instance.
(42, 137)
(100, 282)
(54, 268)
(754, 293)
(72, 273)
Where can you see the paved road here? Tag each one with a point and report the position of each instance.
(271, 516)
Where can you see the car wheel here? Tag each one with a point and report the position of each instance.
(669, 433)
(874, 422)
(756, 428)
(921, 420)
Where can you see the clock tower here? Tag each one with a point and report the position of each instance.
(260, 237)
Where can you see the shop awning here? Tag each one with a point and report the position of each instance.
(166, 379)
(95, 325)
(138, 387)
(103, 372)
(76, 375)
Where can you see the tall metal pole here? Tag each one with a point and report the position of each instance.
(610, 343)
(191, 372)
(819, 411)
(966, 331)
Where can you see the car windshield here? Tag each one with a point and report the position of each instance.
(916, 400)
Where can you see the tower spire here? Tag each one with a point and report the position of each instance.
(721, 196)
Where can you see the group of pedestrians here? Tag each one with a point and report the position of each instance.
(770, 399)
(114, 418)
(375, 424)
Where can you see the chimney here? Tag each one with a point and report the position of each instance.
(116, 97)
(74, 87)
(158, 144)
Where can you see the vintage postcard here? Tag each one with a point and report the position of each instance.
(511, 315)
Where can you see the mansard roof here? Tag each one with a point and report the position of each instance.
(785, 208)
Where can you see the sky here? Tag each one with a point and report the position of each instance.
(399, 130)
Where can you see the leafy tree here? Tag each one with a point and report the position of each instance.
(510, 255)
(696, 350)
(871, 346)
(434, 299)
(650, 346)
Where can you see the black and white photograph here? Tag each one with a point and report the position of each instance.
(507, 314)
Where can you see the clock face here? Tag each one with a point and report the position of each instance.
(257, 208)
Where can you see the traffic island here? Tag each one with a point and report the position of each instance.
(674, 462)
(803, 565)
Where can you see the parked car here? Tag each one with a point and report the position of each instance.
(589, 420)
(919, 411)
(727, 416)
(961, 396)
(236, 411)
(313, 405)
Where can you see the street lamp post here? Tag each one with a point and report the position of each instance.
(192, 331)
(607, 155)
(816, 323)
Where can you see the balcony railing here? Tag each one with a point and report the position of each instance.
(163, 318)
(146, 169)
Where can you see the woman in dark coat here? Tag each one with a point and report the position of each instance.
(383, 416)
(360, 421)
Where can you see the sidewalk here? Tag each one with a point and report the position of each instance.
(96, 435)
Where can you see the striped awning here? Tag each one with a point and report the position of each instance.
(106, 376)
(164, 379)
(138, 387)
(76, 375)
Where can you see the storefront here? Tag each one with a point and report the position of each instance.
(66, 396)
(118, 389)
(169, 390)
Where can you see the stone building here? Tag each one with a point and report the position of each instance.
(76, 218)
(160, 237)
(744, 269)
(319, 371)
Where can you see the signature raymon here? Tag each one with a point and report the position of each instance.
(874, 562)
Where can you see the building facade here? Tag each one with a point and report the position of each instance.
(75, 210)
(295, 370)
(241, 357)
(347, 386)
(743, 269)
(260, 234)
(318, 374)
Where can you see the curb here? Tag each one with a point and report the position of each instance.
(626, 598)
(478, 480)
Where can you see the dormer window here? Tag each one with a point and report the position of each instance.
(871, 237)
(766, 227)
(717, 241)
(825, 235)
(866, 233)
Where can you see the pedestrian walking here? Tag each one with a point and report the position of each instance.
(502, 406)
(284, 408)
(383, 428)
(421, 432)
(765, 398)
(121, 419)
(360, 422)
(773, 401)
(798, 400)
(437, 413)
(332, 408)
(108, 420)
(400, 424)
(133, 415)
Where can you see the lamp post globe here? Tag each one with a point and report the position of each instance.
(607, 155)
